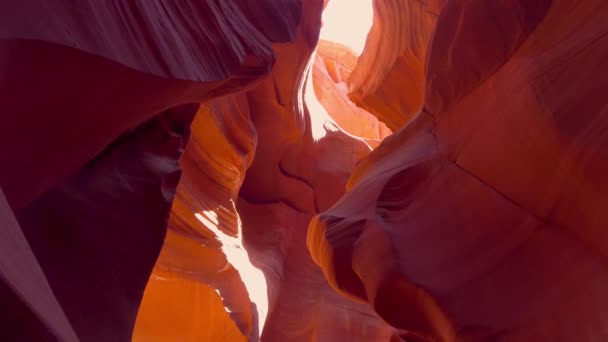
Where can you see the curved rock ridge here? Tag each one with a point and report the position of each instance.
(89, 165)
(331, 70)
(205, 238)
(480, 219)
(243, 234)
(124, 51)
(201, 41)
(311, 175)
(389, 78)
(202, 250)
(210, 171)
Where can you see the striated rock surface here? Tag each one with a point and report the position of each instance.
(331, 71)
(212, 171)
(389, 77)
(124, 52)
(204, 228)
(88, 165)
(257, 168)
(480, 220)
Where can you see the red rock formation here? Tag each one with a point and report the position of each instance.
(192, 263)
(123, 52)
(480, 220)
(280, 209)
(75, 77)
(388, 80)
(252, 237)
(331, 72)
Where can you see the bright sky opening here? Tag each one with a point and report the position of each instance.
(348, 22)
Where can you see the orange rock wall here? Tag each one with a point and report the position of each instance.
(480, 219)
(211, 171)
(243, 233)
(389, 79)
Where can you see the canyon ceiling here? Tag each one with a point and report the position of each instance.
(212, 170)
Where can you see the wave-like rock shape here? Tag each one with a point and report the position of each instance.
(88, 165)
(241, 233)
(311, 175)
(331, 70)
(213, 152)
(136, 60)
(389, 78)
(205, 224)
(482, 219)
(203, 234)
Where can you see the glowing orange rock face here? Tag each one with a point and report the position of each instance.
(279, 206)
(192, 260)
(331, 73)
(243, 234)
(178, 308)
(390, 74)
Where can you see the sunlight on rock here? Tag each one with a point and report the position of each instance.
(320, 121)
(253, 278)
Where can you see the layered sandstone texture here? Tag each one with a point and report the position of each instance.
(211, 170)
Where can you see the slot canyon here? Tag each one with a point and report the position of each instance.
(304, 170)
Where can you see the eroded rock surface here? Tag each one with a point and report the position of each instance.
(480, 219)
(389, 77)
(89, 165)
(254, 176)
(260, 184)
(120, 63)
